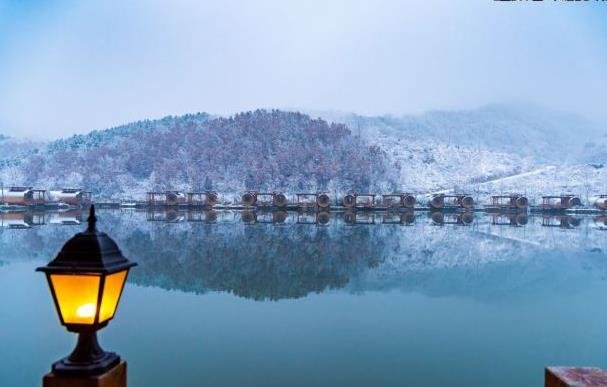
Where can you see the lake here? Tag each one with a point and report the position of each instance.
(228, 298)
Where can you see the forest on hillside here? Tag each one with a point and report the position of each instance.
(263, 150)
(291, 151)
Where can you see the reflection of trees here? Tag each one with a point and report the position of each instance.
(289, 260)
(38, 242)
(259, 262)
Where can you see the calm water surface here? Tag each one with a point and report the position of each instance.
(233, 299)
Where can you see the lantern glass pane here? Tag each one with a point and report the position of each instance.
(77, 297)
(111, 295)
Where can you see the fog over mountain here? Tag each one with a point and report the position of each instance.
(101, 64)
(482, 150)
(11, 148)
(525, 130)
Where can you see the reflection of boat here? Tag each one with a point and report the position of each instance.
(208, 216)
(600, 222)
(279, 217)
(440, 218)
(67, 218)
(306, 217)
(515, 219)
(291, 261)
(404, 218)
(248, 217)
(265, 217)
(21, 219)
(359, 217)
(564, 221)
(169, 215)
(321, 218)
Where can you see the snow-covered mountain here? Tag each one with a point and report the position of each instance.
(524, 130)
(495, 148)
(252, 150)
(14, 148)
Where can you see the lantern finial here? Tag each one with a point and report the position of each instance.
(92, 219)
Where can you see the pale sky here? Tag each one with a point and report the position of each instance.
(73, 66)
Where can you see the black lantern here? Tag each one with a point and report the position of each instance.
(86, 280)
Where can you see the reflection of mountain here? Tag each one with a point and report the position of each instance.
(37, 242)
(290, 260)
(258, 262)
(503, 281)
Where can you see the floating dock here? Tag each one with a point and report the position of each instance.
(323, 201)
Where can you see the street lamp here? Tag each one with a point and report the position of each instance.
(86, 281)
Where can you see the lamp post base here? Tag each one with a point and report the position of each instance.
(68, 367)
(87, 359)
(114, 377)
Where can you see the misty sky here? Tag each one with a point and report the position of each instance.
(73, 66)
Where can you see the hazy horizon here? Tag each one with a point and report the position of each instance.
(326, 114)
(71, 67)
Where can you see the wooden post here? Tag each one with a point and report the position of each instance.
(575, 377)
(116, 377)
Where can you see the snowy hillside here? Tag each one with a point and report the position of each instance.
(11, 148)
(422, 166)
(252, 150)
(581, 179)
(493, 149)
(98, 138)
(528, 131)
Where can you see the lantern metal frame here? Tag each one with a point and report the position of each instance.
(88, 253)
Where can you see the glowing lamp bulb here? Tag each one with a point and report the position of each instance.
(86, 310)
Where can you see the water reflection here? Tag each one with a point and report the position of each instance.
(441, 218)
(561, 221)
(248, 217)
(169, 215)
(28, 218)
(271, 255)
(406, 218)
(321, 218)
(21, 219)
(208, 217)
(388, 281)
(258, 262)
(600, 222)
(514, 219)
(357, 217)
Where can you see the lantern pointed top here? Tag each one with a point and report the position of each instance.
(90, 251)
(92, 220)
